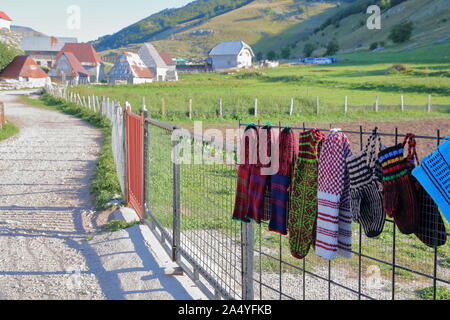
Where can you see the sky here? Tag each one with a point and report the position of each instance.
(84, 19)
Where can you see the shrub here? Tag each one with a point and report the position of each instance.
(332, 48)
(401, 32)
(373, 46)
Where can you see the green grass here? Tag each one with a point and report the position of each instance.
(105, 183)
(117, 225)
(442, 293)
(274, 89)
(8, 130)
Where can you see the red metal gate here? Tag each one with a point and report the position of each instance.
(135, 161)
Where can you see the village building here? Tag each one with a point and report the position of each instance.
(5, 21)
(231, 55)
(24, 72)
(130, 69)
(159, 63)
(68, 70)
(44, 50)
(89, 59)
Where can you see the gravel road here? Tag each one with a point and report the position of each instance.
(46, 213)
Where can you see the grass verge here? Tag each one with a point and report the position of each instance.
(117, 225)
(8, 130)
(105, 183)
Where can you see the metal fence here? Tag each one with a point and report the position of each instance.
(189, 208)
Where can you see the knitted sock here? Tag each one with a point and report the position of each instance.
(242, 199)
(334, 223)
(400, 198)
(303, 214)
(281, 182)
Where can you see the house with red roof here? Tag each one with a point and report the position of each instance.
(159, 63)
(5, 21)
(130, 69)
(89, 59)
(68, 70)
(25, 70)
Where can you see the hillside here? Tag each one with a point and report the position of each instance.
(271, 25)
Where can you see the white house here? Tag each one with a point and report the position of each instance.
(231, 55)
(24, 71)
(130, 69)
(89, 59)
(159, 63)
(68, 70)
(5, 21)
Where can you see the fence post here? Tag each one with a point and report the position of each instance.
(220, 108)
(429, 103)
(318, 106)
(247, 249)
(2, 115)
(176, 203)
(145, 155)
(402, 103)
(291, 110)
(256, 107)
(190, 109)
(377, 106)
(346, 105)
(163, 107)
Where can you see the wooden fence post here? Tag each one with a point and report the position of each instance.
(2, 115)
(291, 110)
(256, 107)
(190, 109)
(377, 106)
(346, 105)
(318, 105)
(163, 107)
(220, 108)
(402, 103)
(429, 103)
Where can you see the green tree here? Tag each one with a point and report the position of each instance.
(259, 56)
(7, 54)
(272, 55)
(309, 49)
(286, 53)
(401, 32)
(332, 48)
(373, 46)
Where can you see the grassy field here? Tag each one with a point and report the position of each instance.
(274, 88)
(8, 130)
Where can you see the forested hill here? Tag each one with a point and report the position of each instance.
(148, 28)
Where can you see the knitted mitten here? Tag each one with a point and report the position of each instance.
(400, 198)
(334, 223)
(248, 161)
(303, 214)
(281, 182)
(366, 189)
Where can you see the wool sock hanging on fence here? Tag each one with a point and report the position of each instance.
(334, 222)
(280, 182)
(303, 214)
(431, 230)
(259, 182)
(400, 198)
(248, 160)
(366, 189)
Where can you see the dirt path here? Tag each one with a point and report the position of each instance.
(45, 215)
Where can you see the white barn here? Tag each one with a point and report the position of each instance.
(231, 55)
(5, 21)
(159, 63)
(130, 69)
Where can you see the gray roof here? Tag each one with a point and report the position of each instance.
(31, 43)
(230, 48)
(147, 51)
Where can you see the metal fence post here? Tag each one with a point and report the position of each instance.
(145, 155)
(125, 148)
(176, 204)
(247, 252)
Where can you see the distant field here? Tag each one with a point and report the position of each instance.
(274, 88)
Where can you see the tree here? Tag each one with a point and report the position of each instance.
(309, 49)
(401, 32)
(286, 53)
(332, 48)
(373, 46)
(272, 55)
(259, 56)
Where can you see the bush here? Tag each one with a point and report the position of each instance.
(399, 68)
(332, 48)
(373, 46)
(401, 32)
(272, 55)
